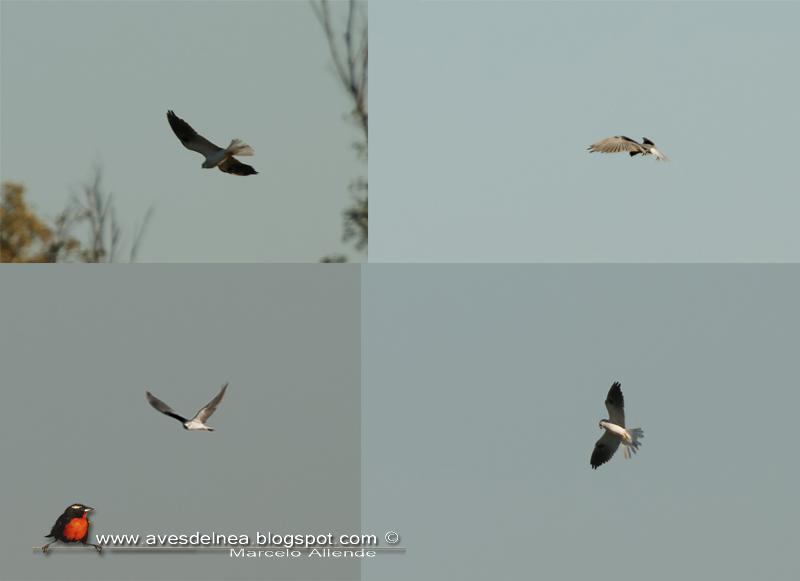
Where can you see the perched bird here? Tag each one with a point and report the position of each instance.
(72, 527)
(622, 143)
(198, 422)
(215, 156)
(615, 431)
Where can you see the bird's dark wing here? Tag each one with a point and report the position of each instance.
(615, 404)
(189, 137)
(233, 165)
(59, 524)
(616, 144)
(57, 531)
(206, 411)
(604, 448)
(164, 408)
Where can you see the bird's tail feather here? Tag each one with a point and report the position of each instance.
(239, 147)
(636, 434)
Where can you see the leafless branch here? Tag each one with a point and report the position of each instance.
(105, 232)
(349, 53)
(352, 67)
(139, 236)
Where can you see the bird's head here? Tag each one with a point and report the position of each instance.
(602, 427)
(78, 510)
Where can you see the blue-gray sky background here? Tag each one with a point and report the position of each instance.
(78, 348)
(483, 387)
(86, 82)
(491, 106)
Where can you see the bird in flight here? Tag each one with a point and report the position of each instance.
(622, 143)
(215, 156)
(198, 422)
(615, 431)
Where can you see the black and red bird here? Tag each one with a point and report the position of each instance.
(72, 527)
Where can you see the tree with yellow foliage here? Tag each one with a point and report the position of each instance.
(24, 237)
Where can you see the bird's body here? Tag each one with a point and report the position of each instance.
(72, 527)
(195, 425)
(620, 143)
(215, 156)
(198, 422)
(614, 428)
(615, 431)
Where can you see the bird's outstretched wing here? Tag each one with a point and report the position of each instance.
(616, 144)
(234, 166)
(189, 137)
(604, 449)
(206, 411)
(615, 404)
(163, 408)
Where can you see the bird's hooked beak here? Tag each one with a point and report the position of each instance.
(87, 509)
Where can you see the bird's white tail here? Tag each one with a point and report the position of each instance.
(636, 434)
(239, 147)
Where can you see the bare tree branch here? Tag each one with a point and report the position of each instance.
(349, 53)
(139, 236)
(105, 232)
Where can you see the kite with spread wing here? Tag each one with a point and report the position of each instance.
(621, 143)
(615, 431)
(215, 156)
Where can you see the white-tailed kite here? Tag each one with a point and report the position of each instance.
(215, 156)
(622, 143)
(615, 431)
(198, 421)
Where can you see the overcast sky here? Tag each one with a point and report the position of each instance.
(493, 105)
(483, 389)
(483, 384)
(79, 348)
(90, 82)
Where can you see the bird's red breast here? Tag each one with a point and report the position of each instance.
(76, 529)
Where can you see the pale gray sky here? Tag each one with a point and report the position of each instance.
(493, 105)
(78, 348)
(483, 387)
(87, 82)
(482, 384)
